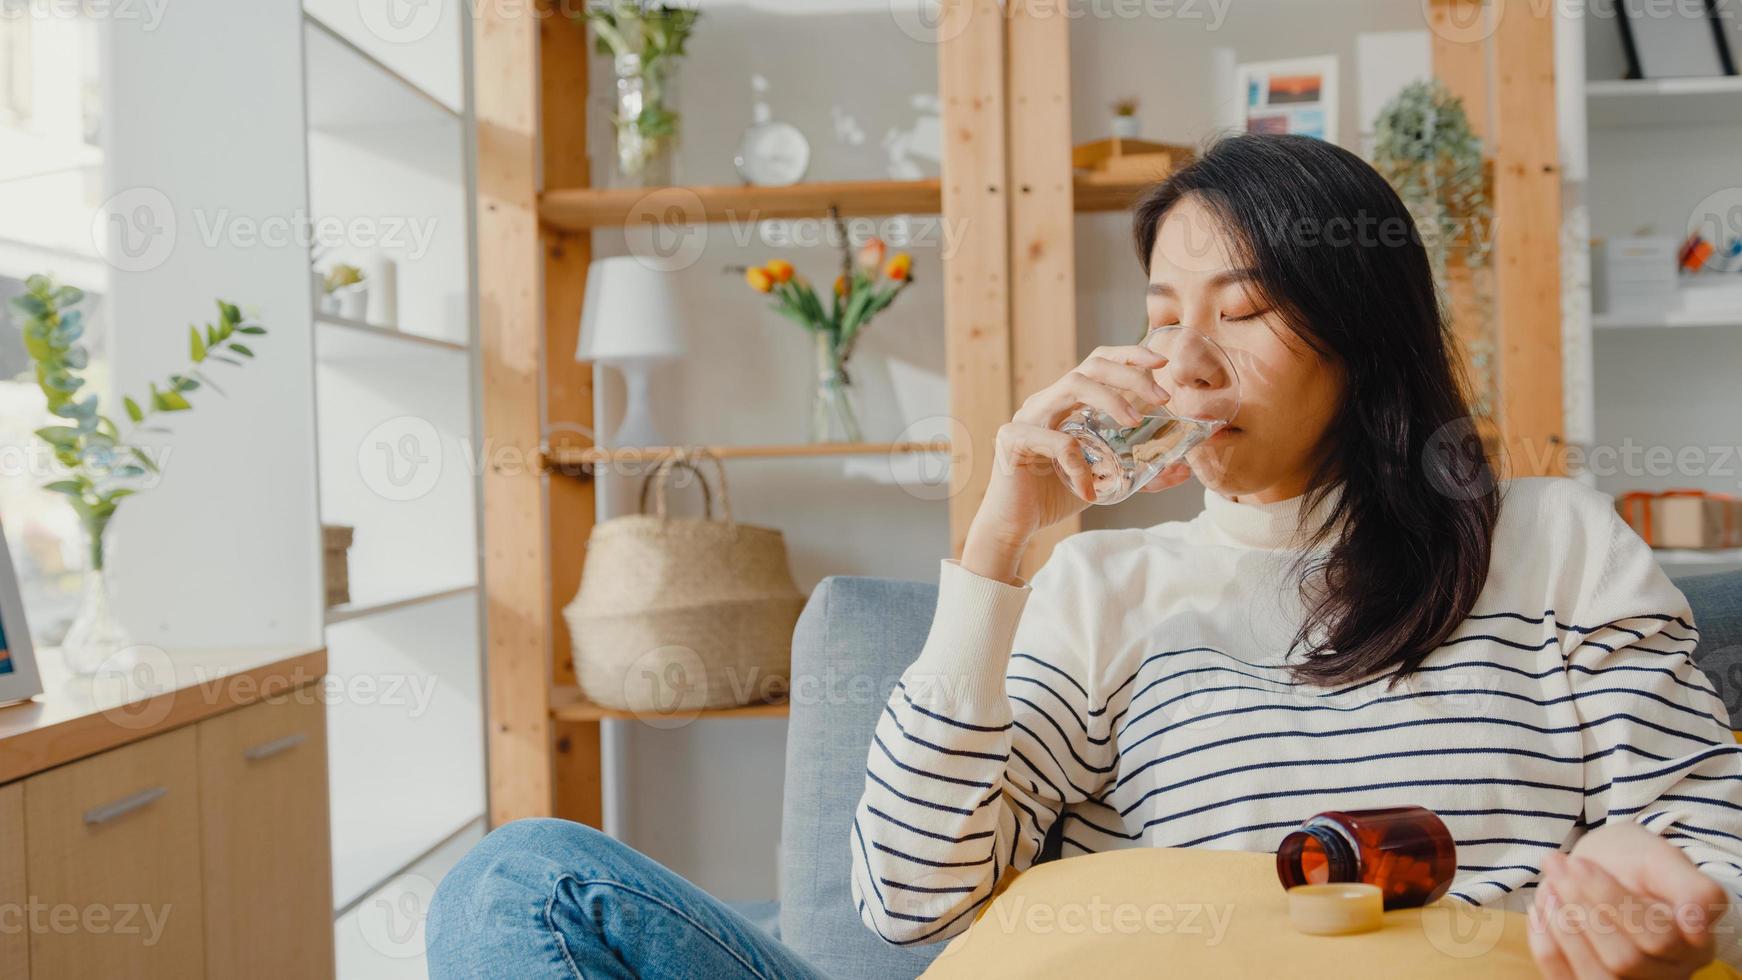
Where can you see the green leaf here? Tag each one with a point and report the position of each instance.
(252, 331)
(68, 296)
(134, 412)
(144, 459)
(129, 472)
(228, 313)
(29, 305)
(238, 348)
(196, 346)
(71, 488)
(168, 401)
(59, 435)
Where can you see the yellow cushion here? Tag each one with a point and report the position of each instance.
(1194, 912)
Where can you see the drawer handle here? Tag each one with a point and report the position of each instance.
(125, 805)
(267, 750)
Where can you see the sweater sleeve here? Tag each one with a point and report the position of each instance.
(985, 738)
(1657, 739)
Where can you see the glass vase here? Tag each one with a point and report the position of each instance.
(833, 418)
(96, 640)
(645, 122)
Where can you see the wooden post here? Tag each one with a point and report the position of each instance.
(516, 566)
(976, 285)
(1527, 225)
(1461, 50)
(568, 398)
(1043, 279)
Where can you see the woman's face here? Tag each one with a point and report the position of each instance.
(1288, 392)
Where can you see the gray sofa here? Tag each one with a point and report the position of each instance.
(854, 639)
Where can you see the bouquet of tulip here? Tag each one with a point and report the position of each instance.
(869, 281)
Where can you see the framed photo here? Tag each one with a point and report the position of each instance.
(18, 677)
(1295, 96)
(1674, 43)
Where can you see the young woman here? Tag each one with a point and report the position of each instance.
(1359, 618)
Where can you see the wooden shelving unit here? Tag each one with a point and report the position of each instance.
(569, 460)
(581, 209)
(1009, 306)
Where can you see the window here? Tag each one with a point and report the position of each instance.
(50, 185)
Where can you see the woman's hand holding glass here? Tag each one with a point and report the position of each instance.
(1026, 494)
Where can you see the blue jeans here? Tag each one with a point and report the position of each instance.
(550, 898)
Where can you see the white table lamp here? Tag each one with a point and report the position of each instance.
(631, 321)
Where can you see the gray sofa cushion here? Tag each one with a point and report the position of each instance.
(1717, 605)
(853, 641)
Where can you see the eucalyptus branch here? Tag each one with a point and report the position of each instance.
(103, 465)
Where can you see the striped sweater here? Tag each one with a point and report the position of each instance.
(1135, 692)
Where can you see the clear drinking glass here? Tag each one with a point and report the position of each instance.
(1203, 395)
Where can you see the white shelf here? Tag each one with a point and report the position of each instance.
(363, 604)
(1684, 561)
(1664, 102)
(350, 89)
(339, 347)
(1667, 319)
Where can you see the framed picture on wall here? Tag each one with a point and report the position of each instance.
(1294, 96)
(1678, 41)
(18, 677)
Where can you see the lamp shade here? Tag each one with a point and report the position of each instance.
(631, 313)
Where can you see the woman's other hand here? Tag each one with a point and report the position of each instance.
(1626, 903)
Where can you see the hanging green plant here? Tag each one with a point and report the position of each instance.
(1426, 149)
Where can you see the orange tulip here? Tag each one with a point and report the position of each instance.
(840, 285)
(871, 253)
(900, 268)
(759, 279)
(779, 269)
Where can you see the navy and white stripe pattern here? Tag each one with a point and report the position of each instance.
(1136, 692)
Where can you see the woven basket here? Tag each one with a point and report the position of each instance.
(682, 614)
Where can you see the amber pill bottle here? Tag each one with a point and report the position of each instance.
(1403, 850)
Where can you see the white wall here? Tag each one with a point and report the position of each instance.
(204, 112)
(706, 799)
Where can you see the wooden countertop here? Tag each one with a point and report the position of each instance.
(79, 716)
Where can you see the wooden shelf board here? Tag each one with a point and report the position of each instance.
(579, 209)
(565, 458)
(1098, 192)
(569, 704)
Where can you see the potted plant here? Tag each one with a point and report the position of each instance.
(1425, 148)
(645, 41)
(1125, 124)
(870, 280)
(102, 465)
(345, 292)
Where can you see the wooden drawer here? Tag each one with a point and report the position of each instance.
(268, 877)
(114, 863)
(14, 895)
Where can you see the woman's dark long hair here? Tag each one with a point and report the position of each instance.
(1405, 548)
